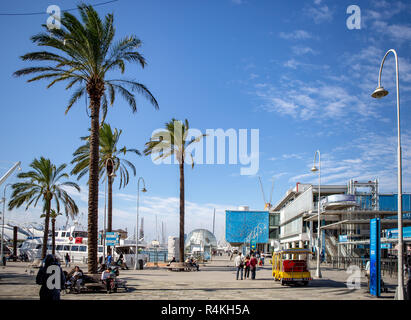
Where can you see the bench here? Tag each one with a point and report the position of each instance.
(92, 282)
(180, 266)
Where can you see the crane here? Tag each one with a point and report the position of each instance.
(267, 205)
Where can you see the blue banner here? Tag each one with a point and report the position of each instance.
(375, 257)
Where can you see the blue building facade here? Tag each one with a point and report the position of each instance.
(386, 202)
(241, 224)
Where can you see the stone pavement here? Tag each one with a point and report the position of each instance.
(216, 280)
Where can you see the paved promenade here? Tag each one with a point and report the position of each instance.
(216, 280)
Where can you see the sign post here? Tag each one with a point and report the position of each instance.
(112, 239)
(375, 257)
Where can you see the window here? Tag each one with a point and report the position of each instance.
(83, 248)
(63, 234)
(274, 233)
(274, 219)
(59, 247)
(66, 248)
(56, 234)
(49, 247)
(74, 248)
(100, 249)
(38, 246)
(82, 234)
(68, 235)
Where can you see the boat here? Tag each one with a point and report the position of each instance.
(73, 241)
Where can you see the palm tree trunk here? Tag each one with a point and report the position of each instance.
(110, 207)
(181, 243)
(46, 230)
(53, 236)
(95, 90)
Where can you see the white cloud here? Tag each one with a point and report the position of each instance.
(296, 35)
(320, 14)
(302, 50)
(375, 157)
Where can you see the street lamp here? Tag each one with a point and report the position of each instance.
(138, 201)
(315, 169)
(378, 93)
(2, 222)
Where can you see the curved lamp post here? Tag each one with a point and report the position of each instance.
(110, 172)
(378, 93)
(2, 221)
(138, 203)
(315, 169)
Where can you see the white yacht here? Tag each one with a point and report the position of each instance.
(74, 242)
(70, 240)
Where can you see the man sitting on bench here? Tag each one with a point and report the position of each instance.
(107, 279)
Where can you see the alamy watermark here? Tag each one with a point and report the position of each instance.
(354, 20)
(54, 20)
(212, 148)
(54, 280)
(354, 278)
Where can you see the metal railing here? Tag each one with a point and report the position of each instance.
(388, 265)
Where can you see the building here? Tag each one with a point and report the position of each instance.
(252, 229)
(200, 242)
(345, 212)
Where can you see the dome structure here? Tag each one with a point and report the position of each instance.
(200, 241)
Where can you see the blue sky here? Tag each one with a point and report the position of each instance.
(291, 69)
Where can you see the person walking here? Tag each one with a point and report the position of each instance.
(67, 260)
(109, 259)
(247, 267)
(253, 266)
(239, 264)
(50, 268)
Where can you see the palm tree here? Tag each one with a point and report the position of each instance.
(43, 183)
(53, 215)
(108, 150)
(173, 141)
(84, 54)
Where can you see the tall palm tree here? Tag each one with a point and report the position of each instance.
(84, 54)
(109, 149)
(173, 141)
(53, 215)
(43, 183)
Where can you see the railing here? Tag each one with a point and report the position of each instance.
(388, 265)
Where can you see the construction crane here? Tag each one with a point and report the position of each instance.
(267, 205)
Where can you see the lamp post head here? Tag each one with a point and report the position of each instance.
(144, 190)
(379, 92)
(314, 169)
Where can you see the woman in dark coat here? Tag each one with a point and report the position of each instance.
(50, 290)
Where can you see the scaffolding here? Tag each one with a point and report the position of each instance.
(368, 200)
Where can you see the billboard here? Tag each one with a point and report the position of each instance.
(240, 224)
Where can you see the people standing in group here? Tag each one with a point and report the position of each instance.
(247, 267)
(67, 260)
(47, 292)
(239, 264)
(253, 266)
